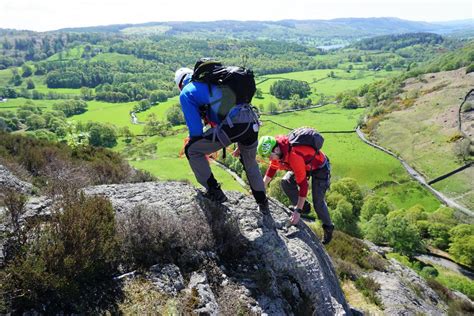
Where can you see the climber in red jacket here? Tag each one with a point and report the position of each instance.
(301, 162)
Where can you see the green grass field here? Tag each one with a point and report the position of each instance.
(117, 114)
(425, 134)
(13, 104)
(374, 170)
(350, 157)
(160, 156)
(320, 83)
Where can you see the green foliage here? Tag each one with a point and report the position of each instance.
(101, 135)
(351, 256)
(66, 258)
(439, 235)
(351, 191)
(393, 42)
(374, 204)
(470, 68)
(71, 107)
(30, 84)
(350, 102)
(462, 244)
(344, 219)
(369, 288)
(402, 236)
(285, 89)
(175, 116)
(275, 191)
(374, 229)
(153, 126)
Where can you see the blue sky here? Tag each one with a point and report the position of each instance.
(43, 15)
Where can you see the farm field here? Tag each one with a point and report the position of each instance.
(425, 134)
(320, 83)
(350, 157)
(117, 114)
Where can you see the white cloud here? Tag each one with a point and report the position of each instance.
(44, 15)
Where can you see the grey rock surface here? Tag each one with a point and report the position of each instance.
(207, 301)
(293, 262)
(403, 292)
(9, 181)
(166, 278)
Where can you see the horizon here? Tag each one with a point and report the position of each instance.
(29, 15)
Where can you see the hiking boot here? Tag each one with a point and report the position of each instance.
(328, 229)
(264, 208)
(306, 208)
(215, 194)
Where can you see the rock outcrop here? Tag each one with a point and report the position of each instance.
(9, 181)
(291, 265)
(403, 292)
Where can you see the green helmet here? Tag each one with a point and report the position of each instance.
(266, 145)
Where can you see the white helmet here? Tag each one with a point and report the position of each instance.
(180, 75)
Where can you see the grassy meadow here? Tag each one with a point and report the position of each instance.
(375, 171)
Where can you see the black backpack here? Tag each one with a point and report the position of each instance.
(306, 136)
(239, 79)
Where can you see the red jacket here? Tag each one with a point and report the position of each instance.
(298, 159)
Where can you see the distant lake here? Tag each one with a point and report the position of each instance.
(329, 47)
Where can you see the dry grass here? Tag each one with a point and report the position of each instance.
(355, 298)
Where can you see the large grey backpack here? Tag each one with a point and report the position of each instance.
(306, 136)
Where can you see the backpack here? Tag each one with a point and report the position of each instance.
(306, 136)
(239, 80)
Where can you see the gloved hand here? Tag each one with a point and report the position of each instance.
(295, 216)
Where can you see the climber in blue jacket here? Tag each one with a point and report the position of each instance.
(229, 123)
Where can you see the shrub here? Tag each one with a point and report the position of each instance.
(470, 68)
(276, 191)
(349, 188)
(369, 288)
(351, 256)
(64, 259)
(402, 236)
(150, 236)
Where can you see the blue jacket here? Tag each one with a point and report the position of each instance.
(195, 95)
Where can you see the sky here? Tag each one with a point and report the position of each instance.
(46, 15)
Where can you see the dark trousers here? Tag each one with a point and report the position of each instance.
(247, 140)
(320, 182)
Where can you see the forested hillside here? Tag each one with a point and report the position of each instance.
(64, 95)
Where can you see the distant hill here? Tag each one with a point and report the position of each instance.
(293, 30)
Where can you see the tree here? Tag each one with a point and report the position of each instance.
(175, 116)
(350, 102)
(259, 94)
(101, 135)
(374, 204)
(16, 79)
(402, 236)
(351, 191)
(155, 127)
(27, 71)
(344, 219)
(126, 133)
(284, 89)
(35, 121)
(374, 229)
(30, 84)
(71, 107)
(462, 244)
(87, 93)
